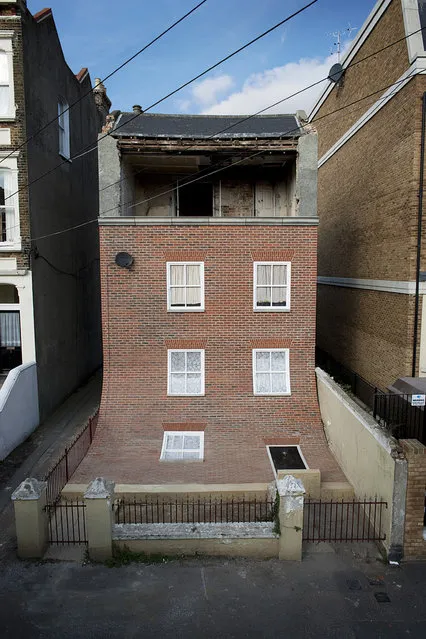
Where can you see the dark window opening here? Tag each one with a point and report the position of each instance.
(196, 200)
(286, 458)
(10, 340)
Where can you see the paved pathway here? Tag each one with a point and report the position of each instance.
(334, 593)
(40, 451)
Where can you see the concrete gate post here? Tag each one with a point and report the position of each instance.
(98, 499)
(291, 492)
(31, 518)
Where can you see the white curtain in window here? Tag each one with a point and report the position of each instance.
(263, 274)
(193, 285)
(177, 285)
(10, 331)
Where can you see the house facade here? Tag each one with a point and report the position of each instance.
(371, 315)
(49, 279)
(208, 234)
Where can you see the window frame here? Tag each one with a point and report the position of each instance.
(272, 309)
(64, 127)
(184, 309)
(9, 167)
(190, 433)
(169, 371)
(286, 352)
(6, 47)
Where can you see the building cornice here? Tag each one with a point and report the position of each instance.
(404, 287)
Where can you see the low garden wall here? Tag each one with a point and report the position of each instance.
(371, 459)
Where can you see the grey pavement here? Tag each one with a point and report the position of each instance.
(41, 450)
(333, 593)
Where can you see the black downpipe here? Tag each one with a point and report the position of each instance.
(419, 236)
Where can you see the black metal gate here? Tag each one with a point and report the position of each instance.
(67, 522)
(343, 521)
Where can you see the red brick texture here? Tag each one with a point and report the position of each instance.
(135, 408)
(414, 544)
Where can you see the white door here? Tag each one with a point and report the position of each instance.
(265, 200)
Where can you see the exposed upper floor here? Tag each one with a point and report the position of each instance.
(199, 166)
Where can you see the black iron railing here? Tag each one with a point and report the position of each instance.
(208, 511)
(348, 521)
(67, 522)
(347, 378)
(395, 412)
(59, 475)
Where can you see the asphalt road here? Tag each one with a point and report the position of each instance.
(330, 594)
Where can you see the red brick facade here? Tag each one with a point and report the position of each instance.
(137, 330)
(414, 541)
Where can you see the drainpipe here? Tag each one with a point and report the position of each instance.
(419, 236)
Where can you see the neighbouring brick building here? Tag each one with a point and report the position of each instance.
(369, 280)
(208, 234)
(369, 135)
(49, 284)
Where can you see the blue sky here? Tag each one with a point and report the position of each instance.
(101, 34)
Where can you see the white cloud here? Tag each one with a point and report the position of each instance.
(272, 85)
(208, 91)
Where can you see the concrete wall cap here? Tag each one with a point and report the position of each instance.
(29, 489)
(100, 488)
(290, 486)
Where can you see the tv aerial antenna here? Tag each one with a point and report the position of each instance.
(339, 37)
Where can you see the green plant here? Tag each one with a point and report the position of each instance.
(276, 515)
(123, 556)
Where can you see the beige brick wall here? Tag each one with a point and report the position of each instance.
(367, 331)
(368, 208)
(364, 78)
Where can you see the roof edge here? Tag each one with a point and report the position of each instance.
(42, 14)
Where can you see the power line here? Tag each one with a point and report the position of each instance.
(262, 111)
(182, 86)
(270, 106)
(326, 115)
(135, 55)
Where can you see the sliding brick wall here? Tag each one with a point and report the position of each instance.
(137, 330)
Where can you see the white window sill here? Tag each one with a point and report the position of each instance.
(10, 246)
(185, 310)
(271, 309)
(186, 395)
(272, 394)
(8, 118)
(180, 461)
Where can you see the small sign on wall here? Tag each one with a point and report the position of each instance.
(418, 400)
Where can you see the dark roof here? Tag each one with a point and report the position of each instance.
(157, 125)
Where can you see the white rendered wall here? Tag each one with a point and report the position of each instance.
(19, 414)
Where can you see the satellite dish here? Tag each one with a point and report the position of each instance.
(123, 259)
(336, 73)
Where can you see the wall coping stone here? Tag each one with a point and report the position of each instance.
(207, 221)
(29, 490)
(100, 488)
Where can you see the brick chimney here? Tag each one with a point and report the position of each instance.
(102, 101)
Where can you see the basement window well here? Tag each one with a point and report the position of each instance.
(286, 458)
